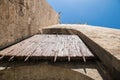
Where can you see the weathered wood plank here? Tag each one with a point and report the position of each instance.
(17, 46)
(49, 46)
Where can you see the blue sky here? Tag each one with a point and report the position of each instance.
(104, 13)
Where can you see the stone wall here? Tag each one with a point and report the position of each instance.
(20, 19)
(109, 60)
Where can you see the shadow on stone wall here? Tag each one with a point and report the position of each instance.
(44, 70)
(109, 61)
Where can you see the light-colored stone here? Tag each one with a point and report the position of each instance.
(20, 19)
(107, 38)
(103, 42)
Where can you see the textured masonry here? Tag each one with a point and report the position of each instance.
(20, 19)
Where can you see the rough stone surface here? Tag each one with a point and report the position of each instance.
(49, 70)
(103, 42)
(107, 38)
(20, 19)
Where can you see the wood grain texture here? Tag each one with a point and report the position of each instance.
(49, 46)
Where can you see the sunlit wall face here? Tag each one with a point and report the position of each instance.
(94, 12)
